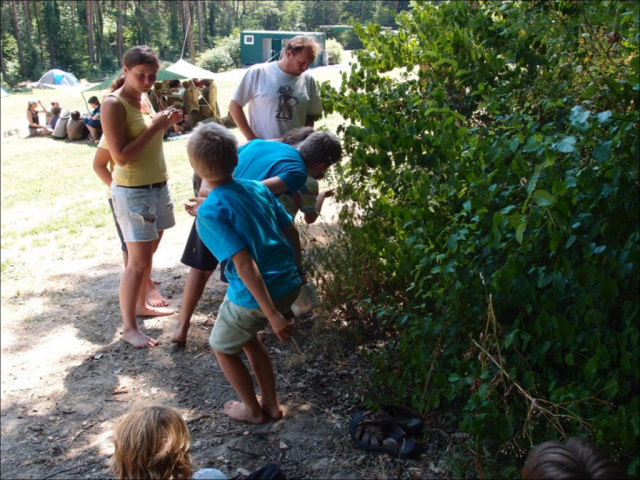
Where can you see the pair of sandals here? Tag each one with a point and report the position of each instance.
(386, 431)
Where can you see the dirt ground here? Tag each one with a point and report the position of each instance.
(67, 380)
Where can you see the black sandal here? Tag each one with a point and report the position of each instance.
(406, 419)
(375, 433)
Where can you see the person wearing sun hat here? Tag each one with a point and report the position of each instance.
(60, 130)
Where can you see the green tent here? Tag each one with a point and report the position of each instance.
(162, 75)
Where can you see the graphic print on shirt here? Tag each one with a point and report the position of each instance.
(285, 105)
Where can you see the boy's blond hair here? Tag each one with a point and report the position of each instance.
(213, 151)
(152, 442)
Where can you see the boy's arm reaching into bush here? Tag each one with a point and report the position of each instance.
(250, 276)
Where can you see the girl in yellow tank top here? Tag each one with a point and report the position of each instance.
(140, 194)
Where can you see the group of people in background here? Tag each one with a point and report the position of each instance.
(63, 124)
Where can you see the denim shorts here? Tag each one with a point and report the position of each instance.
(235, 325)
(142, 212)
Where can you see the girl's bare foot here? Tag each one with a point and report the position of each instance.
(180, 334)
(239, 411)
(154, 298)
(156, 282)
(139, 339)
(274, 412)
(148, 311)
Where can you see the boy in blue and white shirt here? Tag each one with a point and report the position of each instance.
(241, 221)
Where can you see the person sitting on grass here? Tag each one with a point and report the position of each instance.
(55, 112)
(241, 221)
(76, 129)
(35, 129)
(92, 121)
(60, 130)
(574, 459)
(157, 98)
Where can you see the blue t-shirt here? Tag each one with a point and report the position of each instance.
(263, 159)
(245, 214)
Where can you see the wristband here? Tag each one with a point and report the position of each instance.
(302, 272)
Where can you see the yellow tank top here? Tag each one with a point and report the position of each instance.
(149, 166)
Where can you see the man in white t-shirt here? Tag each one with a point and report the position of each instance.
(281, 95)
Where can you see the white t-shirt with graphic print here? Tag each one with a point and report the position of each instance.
(278, 102)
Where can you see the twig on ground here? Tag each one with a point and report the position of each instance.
(239, 450)
(333, 459)
(83, 429)
(60, 471)
(199, 417)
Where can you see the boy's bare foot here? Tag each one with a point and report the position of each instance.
(239, 411)
(148, 311)
(180, 334)
(156, 282)
(274, 412)
(139, 339)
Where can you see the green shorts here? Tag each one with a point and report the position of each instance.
(236, 325)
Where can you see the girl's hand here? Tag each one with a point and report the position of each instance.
(165, 119)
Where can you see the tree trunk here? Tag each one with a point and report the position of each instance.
(147, 23)
(182, 18)
(99, 38)
(189, 30)
(200, 42)
(4, 68)
(119, 43)
(89, 8)
(212, 20)
(17, 30)
(38, 24)
(27, 19)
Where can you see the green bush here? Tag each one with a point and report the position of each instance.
(492, 200)
(216, 60)
(335, 51)
(225, 56)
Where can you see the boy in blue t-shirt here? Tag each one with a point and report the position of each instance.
(241, 221)
(278, 166)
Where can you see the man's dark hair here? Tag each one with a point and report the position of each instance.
(573, 460)
(320, 148)
(56, 111)
(75, 116)
(94, 100)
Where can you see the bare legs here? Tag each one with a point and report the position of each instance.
(132, 293)
(153, 296)
(251, 409)
(193, 288)
(93, 132)
(143, 309)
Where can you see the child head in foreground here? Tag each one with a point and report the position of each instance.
(213, 152)
(574, 459)
(152, 442)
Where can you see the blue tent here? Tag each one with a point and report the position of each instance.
(56, 77)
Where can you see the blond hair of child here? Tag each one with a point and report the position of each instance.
(152, 442)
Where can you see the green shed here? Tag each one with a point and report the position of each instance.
(258, 46)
